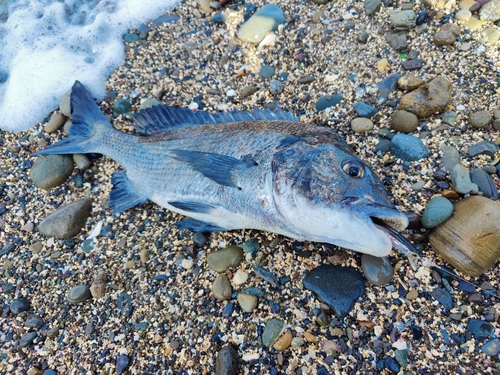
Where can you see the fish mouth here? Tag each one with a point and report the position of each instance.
(385, 215)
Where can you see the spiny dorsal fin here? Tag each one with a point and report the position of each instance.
(161, 118)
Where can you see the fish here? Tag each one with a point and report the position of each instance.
(259, 169)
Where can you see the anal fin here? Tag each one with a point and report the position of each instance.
(198, 226)
(123, 195)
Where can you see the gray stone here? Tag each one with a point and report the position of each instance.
(377, 270)
(65, 105)
(436, 212)
(403, 121)
(276, 87)
(227, 361)
(480, 119)
(81, 161)
(19, 305)
(247, 302)
(361, 125)
(221, 260)
(266, 71)
(450, 157)
(490, 11)
(492, 35)
(66, 221)
(484, 183)
(49, 171)
(364, 110)
(492, 347)
(221, 287)
(272, 331)
(248, 91)
(408, 148)
(327, 101)
(403, 20)
(397, 40)
(483, 148)
(444, 38)
(449, 117)
(56, 121)
(460, 179)
(372, 6)
(386, 87)
(266, 19)
(78, 294)
(27, 339)
(363, 36)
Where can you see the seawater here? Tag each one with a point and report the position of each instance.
(45, 45)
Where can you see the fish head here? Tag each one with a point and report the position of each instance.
(327, 194)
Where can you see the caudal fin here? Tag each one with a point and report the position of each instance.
(87, 121)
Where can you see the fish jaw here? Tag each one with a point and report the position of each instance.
(347, 224)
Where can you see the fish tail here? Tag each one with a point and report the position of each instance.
(88, 124)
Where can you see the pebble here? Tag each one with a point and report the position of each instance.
(490, 11)
(408, 148)
(413, 64)
(492, 347)
(410, 83)
(240, 277)
(436, 212)
(221, 288)
(397, 40)
(227, 361)
(221, 260)
(65, 105)
(382, 65)
(247, 302)
(81, 161)
(463, 15)
(364, 110)
(309, 337)
(339, 287)
(386, 87)
(122, 106)
(467, 240)
(372, 6)
(19, 305)
(56, 121)
(492, 35)
(34, 321)
(66, 221)
(479, 329)
(78, 294)
(276, 87)
(450, 157)
(403, 20)
(443, 297)
(53, 332)
(266, 71)
(480, 119)
(283, 341)
(361, 125)
(98, 287)
(49, 171)
(428, 99)
(248, 91)
(392, 365)
(27, 339)
(362, 37)
(265, 20)
(403, 121)
(449, 117)
(327, 101)
(484, 183)
(122, 362)
(460, 179)
(444, 38)
(272, 331)
(377, 270)
(412, 295)
(34, 371)
(267, 276)
(228, 310)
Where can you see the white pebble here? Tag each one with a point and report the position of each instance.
(193, 106)
(240, 277)
(247, 357)
(231, 93)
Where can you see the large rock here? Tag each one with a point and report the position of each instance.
(66, 221)
(49, 171)
(428, 99)
(470, 239)
(490, 11)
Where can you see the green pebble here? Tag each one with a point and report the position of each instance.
(221, 260)
(272, 331)
(437, 211)
(122, 106)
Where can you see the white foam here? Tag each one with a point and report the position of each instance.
(48, 44)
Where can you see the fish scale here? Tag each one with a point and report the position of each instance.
(260, 169)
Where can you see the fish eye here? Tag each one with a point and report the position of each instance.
(354, 169)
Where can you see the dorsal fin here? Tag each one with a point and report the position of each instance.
(161, 118)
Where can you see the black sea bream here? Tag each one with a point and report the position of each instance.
(257, 170)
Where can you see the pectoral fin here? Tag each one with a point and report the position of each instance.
(198, 226)
(194, 207)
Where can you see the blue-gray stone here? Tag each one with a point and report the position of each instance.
(460, 179)
(122, 106)
(450, 157)
(492, 347)
(131, 38)
(338, 287)
(387, 86)
(50, 171)
(19, 305)
(372, 6)
(266, 19)
(267, 276)
(266, 71)
(27, 339)
(479, 329)
(484, 183)
(257, 292)
(227, 361)
(449, 117)
(251, 245)
(272, 331)
(322, 371)
(165, 19)
(228, 310)
(328, 101)
(383, 145)
(437, 211)
(408, 148)
(364, 110)
(443, 297)
(122, 363)
(377, 270)
(485, 148)
(392, 365)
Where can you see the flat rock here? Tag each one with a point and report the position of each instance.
(403, 20)
(436, 212)
(265, 20)
(227, 361)
(408, 148)
(283, 342)
(410, 83)
(221, 260)
(78, 294)
(377, 270)
(49, 171)
(480, 119)
(338, 287)
(272, 331)
(247, 302)
(484, 183)
(492, 347)
(444, 38)
(460, 179)
(404, 121)
(372, 6)
(19, 305)
(364, 110)
(361, 125)
(428, 99)
(327, 101)
(470, 239)
(386, 87)
(450, 157)
(66, 221)
(490, 11)
(412, 64)
(397, 40)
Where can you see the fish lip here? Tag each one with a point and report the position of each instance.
(380, 213)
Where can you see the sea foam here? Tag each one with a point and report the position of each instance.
(48, 44)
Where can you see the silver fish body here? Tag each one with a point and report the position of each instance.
(260, 170)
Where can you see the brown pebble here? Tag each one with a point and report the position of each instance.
(412, 295)
(309, 337)
(450, 194)
(98, 287)
(56, 121)
(34, 371)
(410, 83)
(428, 99)
(284, 341)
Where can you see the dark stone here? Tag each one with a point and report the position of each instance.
(364, 110)
(199, 239)
(443, 297)
(484, 182)
(479, 329)
(362, 37)
(392, 365)
(228, 310)
(386, 86)
(408, 148)
(267, 276)
(328, 101)
(19, 305)
(227, 361)
(27, 339)
(416, 331)
(122, 363)
(34, 321)
(483, 148)
(412, 64)
(422, 17)
(322, 371)
(338, 287)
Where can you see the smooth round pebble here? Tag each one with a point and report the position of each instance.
(480, 119)
(404, 121)
(327, 101)
(436, 212)
(221, 260)
(265, 20)
(27, 339)
(221, 287)
(460, 179)
(56, 121)
(227, 361)
(247, 302)
(240, 277)
(49, 171)
(82, 162)
(78, 294)
(19, 305)
(66, 221)
(283, 341)
(361, 125)
(276, 87)
(377, 270)
(408, 148)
